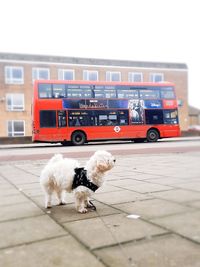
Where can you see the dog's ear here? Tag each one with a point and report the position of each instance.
(101, 165)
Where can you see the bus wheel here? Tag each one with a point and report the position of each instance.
(78, 138)
(152, 135)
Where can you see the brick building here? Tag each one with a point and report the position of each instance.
(18, 72)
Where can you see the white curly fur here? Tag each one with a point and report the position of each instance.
(57, 176)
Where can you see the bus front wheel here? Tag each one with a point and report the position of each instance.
(78, 138)
(152, 135)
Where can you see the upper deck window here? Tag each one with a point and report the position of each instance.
(125, 93)
(44, 90)
(105, 93)
(58, 91)
(167, 94)
(76, 93)
(149, 94)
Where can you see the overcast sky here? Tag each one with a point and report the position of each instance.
(146, 30)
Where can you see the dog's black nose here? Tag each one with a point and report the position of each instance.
(114, 160)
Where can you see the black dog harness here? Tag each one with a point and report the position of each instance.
(80, 178)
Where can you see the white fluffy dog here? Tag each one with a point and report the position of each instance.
(63, 174)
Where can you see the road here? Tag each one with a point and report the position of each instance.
(45, 151)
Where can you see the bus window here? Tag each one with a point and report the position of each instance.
(110, 93)
(58, 90)
(154, 116)
(47, 118)
(97, 117)
(130, 94)
(99, 93)
(105, 93)
(61, 118)
(74, 93)
(167, 94)
(149, 94)
(123, 117)
(44, 90)
(170, 116)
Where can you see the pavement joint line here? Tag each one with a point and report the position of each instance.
(173, 201)
(159, 216)
(175, 233)
(33, 242)
(137, 240)
(144, 193)
(76, 238)
(22, 218)
(25, 171)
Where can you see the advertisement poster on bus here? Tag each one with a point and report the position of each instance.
(136, 108)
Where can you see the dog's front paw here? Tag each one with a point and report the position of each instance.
(83, 210)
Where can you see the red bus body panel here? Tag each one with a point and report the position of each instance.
(96, 132)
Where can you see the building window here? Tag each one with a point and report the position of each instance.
(14, 75)
(16, 128)
(90, 75)
(135, 77)
(156, 77)
(64, 74)
(15, 102)
(113, 76)
(40, 74)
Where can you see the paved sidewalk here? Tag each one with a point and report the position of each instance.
(163, 190)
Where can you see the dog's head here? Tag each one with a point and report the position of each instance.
(104, 160)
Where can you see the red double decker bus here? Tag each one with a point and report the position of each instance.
(83, 111)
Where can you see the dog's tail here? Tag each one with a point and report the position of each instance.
(55, 158)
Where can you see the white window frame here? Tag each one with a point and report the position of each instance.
(153, 77)
(109, 75)
(9, 79)
(13, 133)
(87, 73)
(61, 74)
(38, 73)
(131, 76)
(13, 106)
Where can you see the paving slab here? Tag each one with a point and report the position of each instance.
(167, 251)
(186, 224)
(178, 195)
(16, 232)
(194, 186)
(121, 196)
(146, 187)
(19, 210)
(152, 208)
(12, 199)
(112, 229)
(57, 252)
(68, 213)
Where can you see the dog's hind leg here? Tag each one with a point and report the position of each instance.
(48, 198)
(61, 197)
